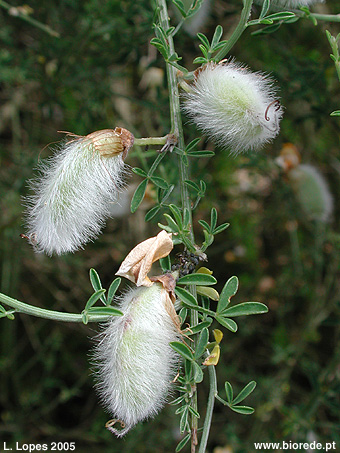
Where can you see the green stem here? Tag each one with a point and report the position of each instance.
(15, 12)
(151, 141)
(210, 409)
(177, 130)
(175, 112)
(21, 307)
(324, 17)
(241, 26)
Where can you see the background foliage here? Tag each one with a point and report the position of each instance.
(102, 73)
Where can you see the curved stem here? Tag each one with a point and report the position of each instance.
(241, 26)
(210, 409)
(22, 307)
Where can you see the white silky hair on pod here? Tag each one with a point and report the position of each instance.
(72, 196)
(293, 4)
(134, 363)
(236, 108)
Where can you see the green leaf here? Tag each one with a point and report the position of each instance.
(197, 373)
(180, 409)
(198, 327)
(183, 443)
(228, 291)
(186, 217)
(192, 185)
(183, 313)
(187, 298)
(265, 8)
(245, 410)
(113, 289)
(195, 6)
(335, 113)
(183, 423)
(170, 31)
(138, 195)
(227, 323)
(180, 7)
(174, 228)
(245, 309)
(96, 283)
(202, 343)
(160, 47)
(84, 317)
(213, 219)
(93, 299)
(104, 311)
(245, 392)
(204, 40)
(168, 230)
(193, 412)
(177, 215)
(200, 60)
(217, 36)
(165, 263)
(205, 225)
(281, 15)
(192, 144)
(266, 30)
(208, 292)
(139, 172)
(266, 21)
(229, 392)
(152, 213)
(160, 182)
(177, 401)
(187, 368)
(218, 46)
(197, 279)
(166, 193)
(182, 349)
(203, 153)
(204, 51)
(203, 186)
(174, 57)
(7, 314)
(292, 20)
(221, 228)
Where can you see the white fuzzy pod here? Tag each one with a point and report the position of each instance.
(134, 362)
(312, 192)
(73, 192)
(234, 107)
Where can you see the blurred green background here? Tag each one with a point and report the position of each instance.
(101, 73)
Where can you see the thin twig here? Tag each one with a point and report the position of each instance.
(22, 307)
(241, 26)
(16, 12)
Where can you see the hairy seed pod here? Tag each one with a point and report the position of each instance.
(312, 192)
(133, 360)
(234, 107)
(73, 193)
